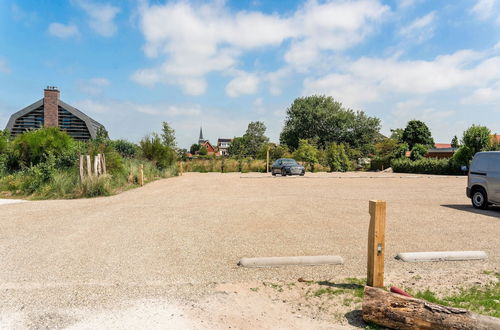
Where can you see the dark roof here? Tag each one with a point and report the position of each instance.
(92, 125)
(224, 140)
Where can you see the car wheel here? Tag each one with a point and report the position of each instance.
(302, 174)
(479, 199)
(283, 172)
(273, 173)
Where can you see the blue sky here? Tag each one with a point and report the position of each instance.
(133, 64)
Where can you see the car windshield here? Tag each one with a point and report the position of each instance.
(289, 162)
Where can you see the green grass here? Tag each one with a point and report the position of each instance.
(480, 299)
(351, 285)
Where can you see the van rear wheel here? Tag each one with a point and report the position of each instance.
(479, 199)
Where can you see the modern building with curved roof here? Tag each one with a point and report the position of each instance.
(52, 112)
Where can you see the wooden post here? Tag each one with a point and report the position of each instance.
(89, 166)
(267, 160)
(141, 175)
(181, 168)
(96, 164)
(376, 244)
(103, 159)
(81, 168)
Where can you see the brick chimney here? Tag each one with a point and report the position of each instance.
(51, 106)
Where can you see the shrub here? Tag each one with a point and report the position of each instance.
(337, 159)
(155, 151)
(442, 166)
(125, 148)
(33, 147)
(307, 152)
(418, 151)
(95, 186)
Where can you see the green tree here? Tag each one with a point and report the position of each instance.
(418, 151)
(397, 134)
(125, 148)
(337, 159)
(254, 138)
(203, 151)
(323, 119)
(168, 135)
(477, 138)
(387, 150)
(454, 142)
(417, 132)
(307, 152)
(194, 148)
(101, 135)
(153, 149)
(34, 147)
(237, 148)
(4, 141)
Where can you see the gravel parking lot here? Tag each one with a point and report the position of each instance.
(179, 239)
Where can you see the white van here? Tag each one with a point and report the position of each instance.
(483, 182)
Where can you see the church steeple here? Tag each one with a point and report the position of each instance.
(201, 139)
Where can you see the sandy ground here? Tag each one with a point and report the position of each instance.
(165, 255)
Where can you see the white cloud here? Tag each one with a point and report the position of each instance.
(244, 83)
(63, 31)
(420, 29)
(483, 9)
(111, 106)
(101, 16)
(484, 95)
(194, 40)
(94, 86)
(370, 79)
(347, 89)
(4, 66)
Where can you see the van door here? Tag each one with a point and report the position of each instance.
(494, 177)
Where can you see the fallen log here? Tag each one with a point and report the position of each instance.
(400, 312)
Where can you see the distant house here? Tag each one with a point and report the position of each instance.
(210, 149)
(223, 146)
(441, 150)
(52, 112)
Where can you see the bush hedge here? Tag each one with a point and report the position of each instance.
(443, 166)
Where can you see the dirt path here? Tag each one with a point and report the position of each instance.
(173, 243)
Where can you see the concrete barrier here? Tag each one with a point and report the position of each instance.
(441, 256)
(289, 261)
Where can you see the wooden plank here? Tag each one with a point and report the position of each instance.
(141, 175)
(103, 158)
(81, 168)
(376, 244)
(399, 312)
(96, 162)
(267, 160)
(89, 166)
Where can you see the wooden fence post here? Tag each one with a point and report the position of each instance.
(103, 159)
(81, 168)
(376, 244)
(89, 166)
(96, 165)
(267, 160)
(141, 175)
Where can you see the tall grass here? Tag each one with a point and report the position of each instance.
(65, 184)
(226, 165)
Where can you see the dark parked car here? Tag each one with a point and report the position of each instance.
(287, 166)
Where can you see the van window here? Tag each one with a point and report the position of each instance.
(480, 163)
(494, 163)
